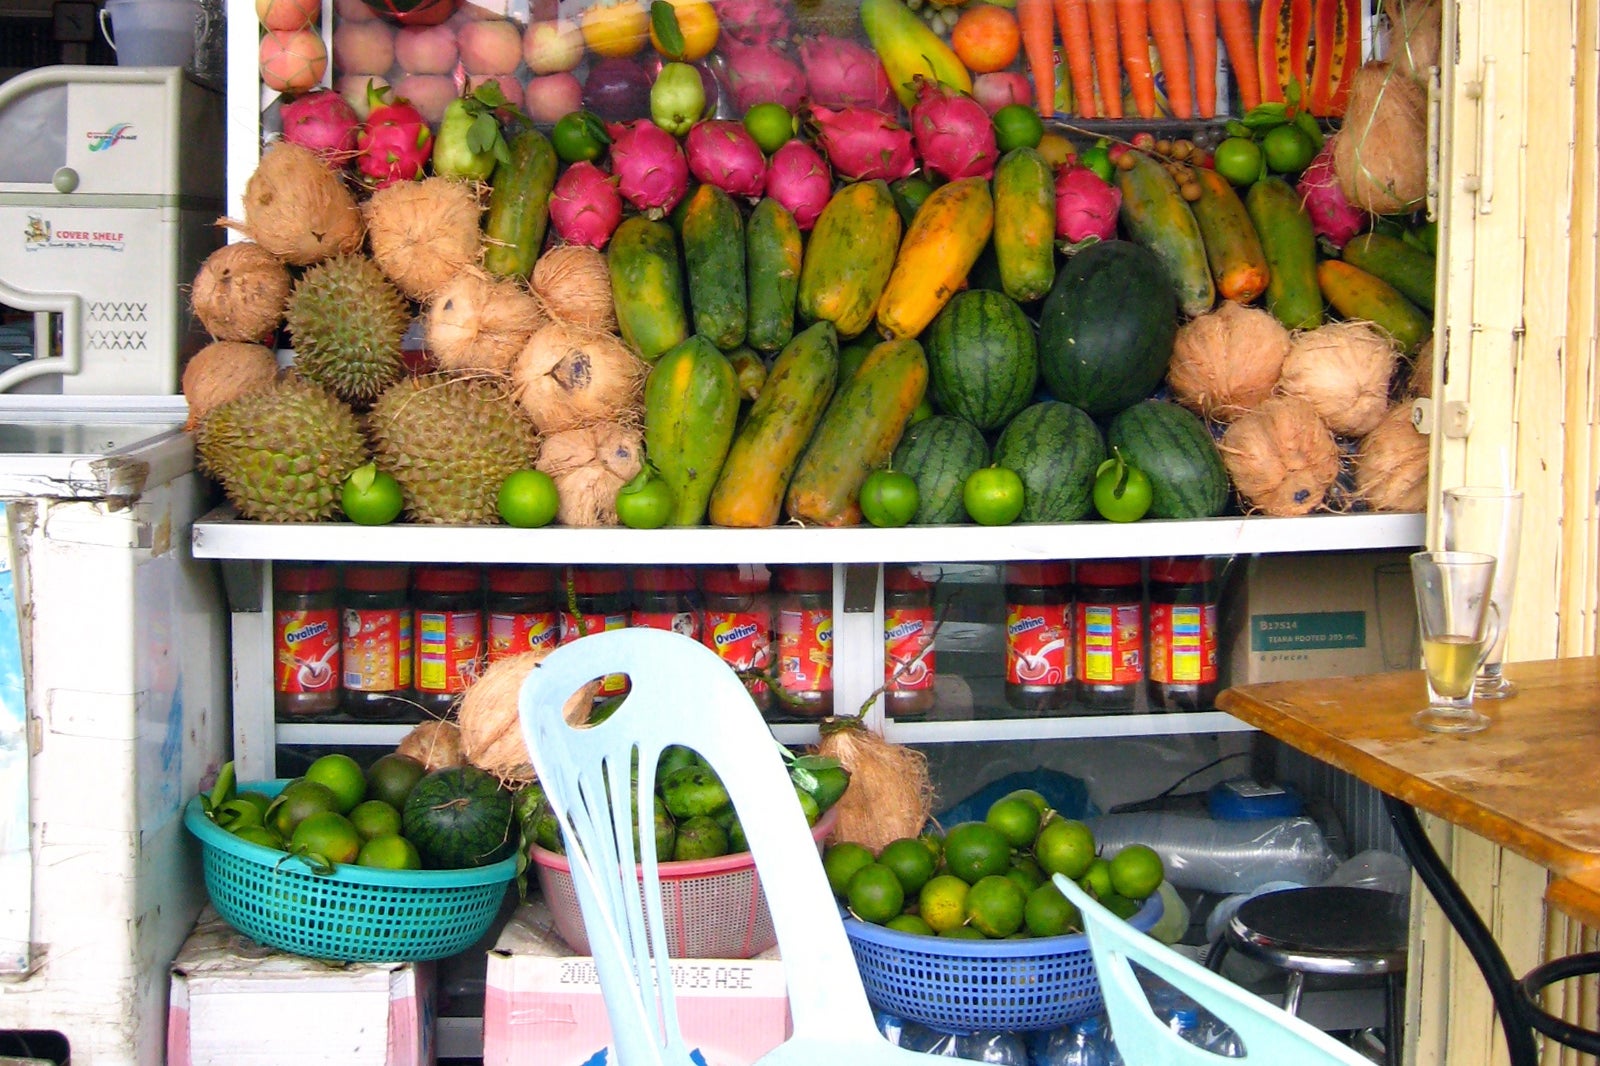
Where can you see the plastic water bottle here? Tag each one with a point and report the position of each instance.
(1079, 1044)
(1000, 1049)
(1217, 1038)
(1185, 1021)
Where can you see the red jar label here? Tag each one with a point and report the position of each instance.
(611, 684)
(377, 650)
(306, 648)
(449, 644)
(685, 622)
(1183, 643)
(908, 664)
(1110, 644)
(1038, 644)
(513, 634)
(805, 650)
(742, 639)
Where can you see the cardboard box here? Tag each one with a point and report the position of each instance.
(236, 1002)
(543, 1004)
(1322, 615)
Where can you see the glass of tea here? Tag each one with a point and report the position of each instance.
(1458, 623)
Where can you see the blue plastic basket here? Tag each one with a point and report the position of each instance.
(355, 914)
(960, 986)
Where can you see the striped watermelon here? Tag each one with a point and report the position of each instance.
(1175, 450)
(983, 361)
(1055, 448)
(940, 453)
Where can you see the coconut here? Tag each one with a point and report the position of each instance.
(1420, 381)
(1226, 361)
(568, 377)
(1343, 370)
(223, 370)
(1391, 465)
(1416, 29)
(297, 209)
(574, 283)
(1281, 456)
(435, 744)
(589, 465)
(1381, 154)
(480, 323)
(239, 292)
(491, 727)
(424, 233)
(890, 795)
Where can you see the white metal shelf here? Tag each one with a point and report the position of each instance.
(1068, 727)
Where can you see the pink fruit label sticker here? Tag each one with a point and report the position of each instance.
(1038, 640)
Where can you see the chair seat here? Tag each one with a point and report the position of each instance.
(1331, 929)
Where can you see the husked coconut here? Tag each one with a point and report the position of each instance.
(239, 292)
(1391, 464)
(1342, 369)
(223, 370)
(1228, 360)
(574, 284)
(424, 233)
(481, 323)
(1420, 381)
(1416, 30)
(436, 744)
(491, 728)
(297, 209)
(1381, 155)
(589, 465)
(567, 377)
(1281, 456)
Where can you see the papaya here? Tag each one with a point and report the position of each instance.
(1025, 224)
(1356, 294)
(772, 263)
(949, 230)
(750, 371)
(1400, 262)
(691, 401)
(647, 286)
(1290, 245)
(1156, 215)
(1238, 262)
(849, 257)
(519, 205)
(713, 251)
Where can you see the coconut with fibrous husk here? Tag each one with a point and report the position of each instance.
(1415, 35)
(1420, 381)
(1342, 369)
(1391, 464)
(491, 728)
(567, 377)
(574, 284)
(223, 370)
(239, 292)
(436, 744)
(1381, 155)
(1226, 361)
(890, 795)
(1281, 456)
(424, 233)
(589, 465)
(297, 209)
(477, 322)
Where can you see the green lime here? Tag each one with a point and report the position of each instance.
(1025, 872)
(1098, 159)
(260, 834)
(1064, 846)
(370, 497)
(298, 801)
(1037, 799)
(975, 850)
(1121, 906)
(841, 861)
(343, 775)
(942, 903)
(259, 800)
(1288, 150)
(1238, 159)
(329, 835)
(375, 818)
(1016, 819)
(909, 923)
(391, 776)
(1097, 880)
(874, 894)
(771, 125)
(995, 906)
(1136, 871)
(1017, 126)
(1049, 913)
(528, 499)
(910, 861)
(389, 852)
(579, 135)
(963, 932)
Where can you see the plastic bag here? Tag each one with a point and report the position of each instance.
(1226, 857)
(1382, 870)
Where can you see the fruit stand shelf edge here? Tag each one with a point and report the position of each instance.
(222, 535)
(1066, 727)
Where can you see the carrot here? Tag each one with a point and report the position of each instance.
(1239, 35)
(1200, 18)
(1072, 17)
(1038, 43)
(1133, 30)
(1107, 68)
(1166, 26)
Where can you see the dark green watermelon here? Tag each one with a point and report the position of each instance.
(940, 453)
(1175, 450)
(1055, 448)
(983, 361)
(459, 817)
(1106, 329)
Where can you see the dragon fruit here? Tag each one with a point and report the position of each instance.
(759, 75)
(652, 174)
(955, 136)
(395, 143)
(755, 23)
(1332, 216)
(1086, 205)
(842, 73)
(324, 122)
(798, 178)
(864, 143)
(722, 153)
(584, 206)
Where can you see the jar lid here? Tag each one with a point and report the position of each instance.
(664, 579)
(1109, 572)
(1181, 571)
(447, 579)
(302, 578)
(523, 580)
(904, 579)
(597, 580)
(805, 578)
(1039, 573)
(375, 578)
(735, 580)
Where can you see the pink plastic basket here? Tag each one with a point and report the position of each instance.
(714, 908)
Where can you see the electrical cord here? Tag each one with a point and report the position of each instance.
(1158, 800)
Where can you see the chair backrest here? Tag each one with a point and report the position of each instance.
(681, 693)
(1269, 1035)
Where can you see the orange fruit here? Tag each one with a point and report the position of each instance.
(986, 38)
(615, 29)
(389, 852)
(697, 21)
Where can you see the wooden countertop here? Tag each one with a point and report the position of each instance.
(1530, 782)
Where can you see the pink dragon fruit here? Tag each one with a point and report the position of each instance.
(798, 178)
(652, 174)
(759, 75)
(1332, 216)
(864, 143)
(756, 23)
(324, 122)
(585, 207)
(395, 143)
(1086, 205)
(955, 136)
(842, 73)
(722, 153)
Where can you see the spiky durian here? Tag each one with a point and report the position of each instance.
(347, 320)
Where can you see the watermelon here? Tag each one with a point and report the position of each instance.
(1106, 328)
(983, 360)
(1055, 448)
(459, 817)
(1175, 450)
(939, 453)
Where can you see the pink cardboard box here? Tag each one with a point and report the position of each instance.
(235, 1002)
(543, 1004)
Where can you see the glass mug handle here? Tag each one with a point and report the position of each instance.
(1491, 637)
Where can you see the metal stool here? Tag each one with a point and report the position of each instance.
(1332, 930)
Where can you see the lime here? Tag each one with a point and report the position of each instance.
(942, 903)
(1098, 159)
(1016, 819)
(370, 497)
(1064, 846)
(910, 862)
(1097, 880)
(889, 498)
(1040, 804)
(1121, 906)
(1238, 159)
(874, 894)
(1287, 149)
(343, 775)
(528, 499)
(1025, 872)
(771, 125)
(699, 837)
(1017, 126)
(259, 800)
(579, 135)
(329, 835)
(391, 776)
(1049, 913)
(841, 861)
(995, 906)
(375, 818)
(298, 801)
(260, 834)
(993, 495)
(1136, 871)
(963, 932)
(808, 805)
(975, 850)
(390, 851)
(909, 923)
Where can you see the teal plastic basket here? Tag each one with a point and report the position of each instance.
(355, 914)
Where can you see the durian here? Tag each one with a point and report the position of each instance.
(347, 321)
(282, 453)
(450, 442)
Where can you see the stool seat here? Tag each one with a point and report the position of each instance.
(1332, 929)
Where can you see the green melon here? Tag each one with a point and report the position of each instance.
(983, 361)
(458, 818)
(1171, 445)
(940, 453)
(1055, 448)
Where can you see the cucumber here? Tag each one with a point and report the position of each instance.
(1290, 243)
(713, 251)
(519, 205)
(772, 264)
(1408, 268)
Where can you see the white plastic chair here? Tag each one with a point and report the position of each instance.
(682, 693)
(1269, 1035)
